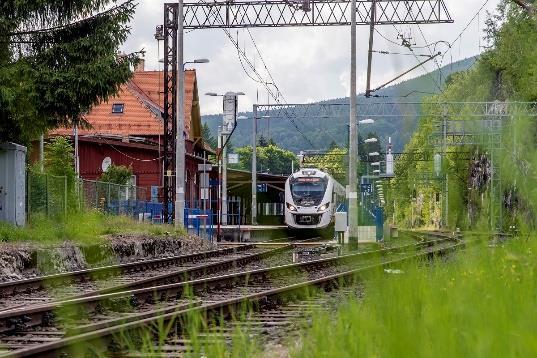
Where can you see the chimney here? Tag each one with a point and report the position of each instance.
(140, 67)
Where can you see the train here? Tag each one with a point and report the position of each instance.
(312, 197)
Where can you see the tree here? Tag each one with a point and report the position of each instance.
(57, 60)
(271, 159)
(117, 174)
(332, 162)
(208, 136)
(59, 159)
(277, 160)
(262, 141)
(333, 145)
(529, 8)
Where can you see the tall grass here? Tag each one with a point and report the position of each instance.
(482, 302)
(81, 227)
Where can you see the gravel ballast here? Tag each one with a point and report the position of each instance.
(25, 260)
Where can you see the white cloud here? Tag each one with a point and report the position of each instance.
(308, 63)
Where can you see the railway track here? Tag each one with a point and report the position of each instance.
(42, 331)
(270, 327)
(108, 279)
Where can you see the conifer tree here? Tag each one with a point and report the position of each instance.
(57, 60)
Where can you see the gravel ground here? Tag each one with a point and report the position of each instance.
(26, 260)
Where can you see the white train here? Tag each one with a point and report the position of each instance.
(311, 199)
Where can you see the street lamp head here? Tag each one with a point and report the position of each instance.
(242, 117)
(371, 140)
(201, 60)
(374, 154)
(212, 94)
(367, 121)
(375, 164)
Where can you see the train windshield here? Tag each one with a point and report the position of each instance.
(308, 191)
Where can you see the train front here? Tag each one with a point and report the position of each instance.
(308, 193)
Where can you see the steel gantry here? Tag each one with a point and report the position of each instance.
(289, 13)
(250, 14)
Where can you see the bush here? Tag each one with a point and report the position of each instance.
(117, 174)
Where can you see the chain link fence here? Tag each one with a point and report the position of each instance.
(113, 198)
(49, 195)
(55, 196)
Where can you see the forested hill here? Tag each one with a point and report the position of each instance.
(323, 132)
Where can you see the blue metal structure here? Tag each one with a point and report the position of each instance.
(379, 223)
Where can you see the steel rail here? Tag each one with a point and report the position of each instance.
(37, 314)
(103, 337)
(41, 282)
(33, 315)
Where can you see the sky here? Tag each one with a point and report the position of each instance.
(307, 64)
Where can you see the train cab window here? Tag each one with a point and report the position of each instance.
(308, 191)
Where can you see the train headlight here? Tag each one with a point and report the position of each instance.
(291, 207)
(323, 207)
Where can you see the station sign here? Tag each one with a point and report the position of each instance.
(205, 167)
(233, 158)
(204, 180)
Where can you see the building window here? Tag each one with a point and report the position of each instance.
(118, 107)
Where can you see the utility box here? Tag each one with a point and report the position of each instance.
(13, 183)
(341, 222)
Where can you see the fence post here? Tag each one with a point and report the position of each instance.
(65, 195)
(46, 191)
(28, 186)
(96, 202)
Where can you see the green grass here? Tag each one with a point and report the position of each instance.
(84, 227)
(483, 302)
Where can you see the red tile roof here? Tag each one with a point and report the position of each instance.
(143, 103)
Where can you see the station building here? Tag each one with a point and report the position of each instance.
(128, 130)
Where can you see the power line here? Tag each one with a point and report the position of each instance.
(429, 74)
(459, 37)
(278, 91)
(260, 80)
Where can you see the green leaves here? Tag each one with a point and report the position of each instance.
(117, 174)
(55, 68)
(270, 159)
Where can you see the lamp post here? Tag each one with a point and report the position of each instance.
(353, 139)
(180, 150)
(230, 107)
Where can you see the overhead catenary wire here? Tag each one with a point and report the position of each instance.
(242, 54)
(273, 81)
(459, 37)
(260, 80)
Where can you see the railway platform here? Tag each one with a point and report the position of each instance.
(252, 233)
